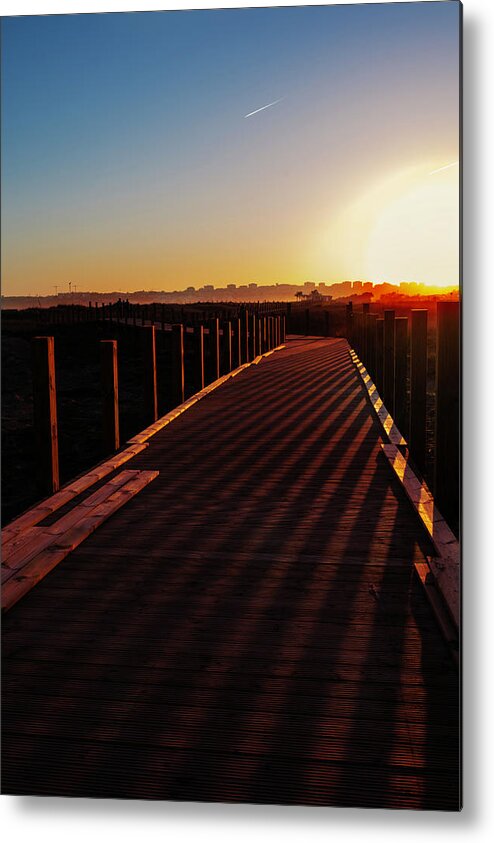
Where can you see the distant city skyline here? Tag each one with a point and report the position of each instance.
(127, 161)
(242, 293)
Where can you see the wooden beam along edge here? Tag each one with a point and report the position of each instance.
(67, 493)
(387, 421)
(162, 422)
(446, 566)
(83, 522)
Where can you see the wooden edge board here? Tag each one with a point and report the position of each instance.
(33, 540)
(435, 598)
(165, 420)
(446, 567)
(67, 493)
(387, 421)
(41, 564)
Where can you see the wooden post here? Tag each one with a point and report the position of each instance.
(401, 371)
(178, 376)
(199, 333)
(389, 361)
(238, 342)
(148, 334)
(447, 438)
(418, 388)
(365, 332)
(252, 338)
(227, 347)
(307, 321)
(246, 336)
(260, 346)
(214, 348)
(379, 355)
(357, 333)
(283, 329)
(370, 364)
(349, 322)
(109, 390)
(45, 415)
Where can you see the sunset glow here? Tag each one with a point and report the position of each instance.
(127, 162)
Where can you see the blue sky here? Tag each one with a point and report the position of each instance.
(126, 155)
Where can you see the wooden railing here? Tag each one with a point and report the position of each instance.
(196, 354)
(396, 355)
(155, 312)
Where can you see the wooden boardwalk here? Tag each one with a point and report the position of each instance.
(249, 627)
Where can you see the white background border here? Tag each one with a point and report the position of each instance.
(37, 819)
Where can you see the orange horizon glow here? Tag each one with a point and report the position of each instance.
(141, 172)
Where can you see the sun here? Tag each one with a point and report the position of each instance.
(404, 227)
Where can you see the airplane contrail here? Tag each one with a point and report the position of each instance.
(446, 167)
(251, 113)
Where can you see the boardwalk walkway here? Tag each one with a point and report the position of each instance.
(248, 627)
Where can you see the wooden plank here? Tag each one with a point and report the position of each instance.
(418, 387)
(349, 322)
(148, 335)
(252, 320)
(45, 414)
(378, 379)
(227, 347)
(401, 371)
(447, 422)
(51, 555)
(283, 329)
(178, 366)
(34, 539)
(446, 568)
(214, 350)
(371, 362)
(389, 360)
(237, 348)
(199, 354)
(246, 349)
(390, 428)
(109, 389)
(68, 493)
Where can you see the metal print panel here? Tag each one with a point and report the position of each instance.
(230, 405)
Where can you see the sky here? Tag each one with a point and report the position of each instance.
(128, 161)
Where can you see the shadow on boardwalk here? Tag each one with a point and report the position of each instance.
(248, 628)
